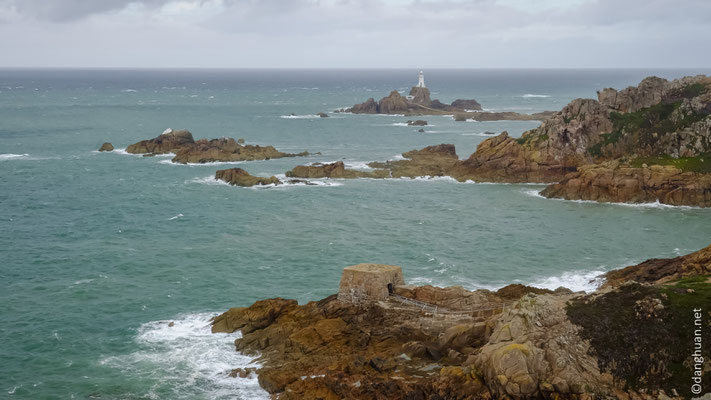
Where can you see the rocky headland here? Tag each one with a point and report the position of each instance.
(419, 103)
(646, 143)
(187, 150)
(631, 339)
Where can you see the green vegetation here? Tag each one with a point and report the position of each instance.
(646, 352)
(640, 129)
(692, 90)
(531, 138)
(700, 164)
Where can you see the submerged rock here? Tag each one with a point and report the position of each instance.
(240, 177)
(106, 147)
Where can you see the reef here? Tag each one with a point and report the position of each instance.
(379, 338)
(187, 150)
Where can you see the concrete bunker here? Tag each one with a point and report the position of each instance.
(369, 282)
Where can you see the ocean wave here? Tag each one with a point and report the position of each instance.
(208, 180)
(529, 96)
(576, 281)
(188, 361)
(169, 162)
(10, 156)
(129, 90)
(175, 217)
(308, 116)
(656, 204)
(358, 165)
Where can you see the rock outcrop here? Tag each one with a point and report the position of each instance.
(625, 341)
(616, 182)
(430, 161)
(240, 177)
(466, 105)
(663, 270)
(106, 147)
(188, 150)
(418, 122)
(646, 130)
(169, 141)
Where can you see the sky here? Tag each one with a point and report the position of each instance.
(355, 33)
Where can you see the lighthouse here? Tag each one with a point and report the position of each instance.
(421, 81)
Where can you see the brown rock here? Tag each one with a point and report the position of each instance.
(617, 182)
(169, 142)
(240, 177)
(106, 147)
(664, 270)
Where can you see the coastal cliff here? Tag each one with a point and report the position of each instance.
(628, 340)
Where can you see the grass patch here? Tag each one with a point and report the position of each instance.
(700, 164)
(692, 90)
(646, 352)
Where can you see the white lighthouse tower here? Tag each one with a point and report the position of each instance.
(421, 81)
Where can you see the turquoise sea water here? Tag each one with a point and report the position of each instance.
(99, 251)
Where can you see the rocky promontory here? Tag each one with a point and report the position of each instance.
(657, 136)
(188, 150)
(632, 339)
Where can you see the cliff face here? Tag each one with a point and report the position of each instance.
(626, 341)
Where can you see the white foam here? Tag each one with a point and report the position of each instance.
(10, 156)
(530, 96)
(587, 281)
(175, 217)
(308, 116)
(656, 204)
(478, 134)
(188, 361)
(399, 124)
(129, 91)
(208, 180)
(169, 162)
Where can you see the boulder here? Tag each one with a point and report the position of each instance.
(240, 177)
(106, 147)
(322, 115)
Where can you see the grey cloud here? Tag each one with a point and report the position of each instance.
(70, 10)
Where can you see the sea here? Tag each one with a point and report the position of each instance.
(100, 252)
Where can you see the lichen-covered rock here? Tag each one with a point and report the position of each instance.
(106, 147)
(534, 348)
(240, 177)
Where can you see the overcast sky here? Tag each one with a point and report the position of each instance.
(355, 33)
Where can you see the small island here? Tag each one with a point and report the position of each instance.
(187, 150)
(418, 102)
